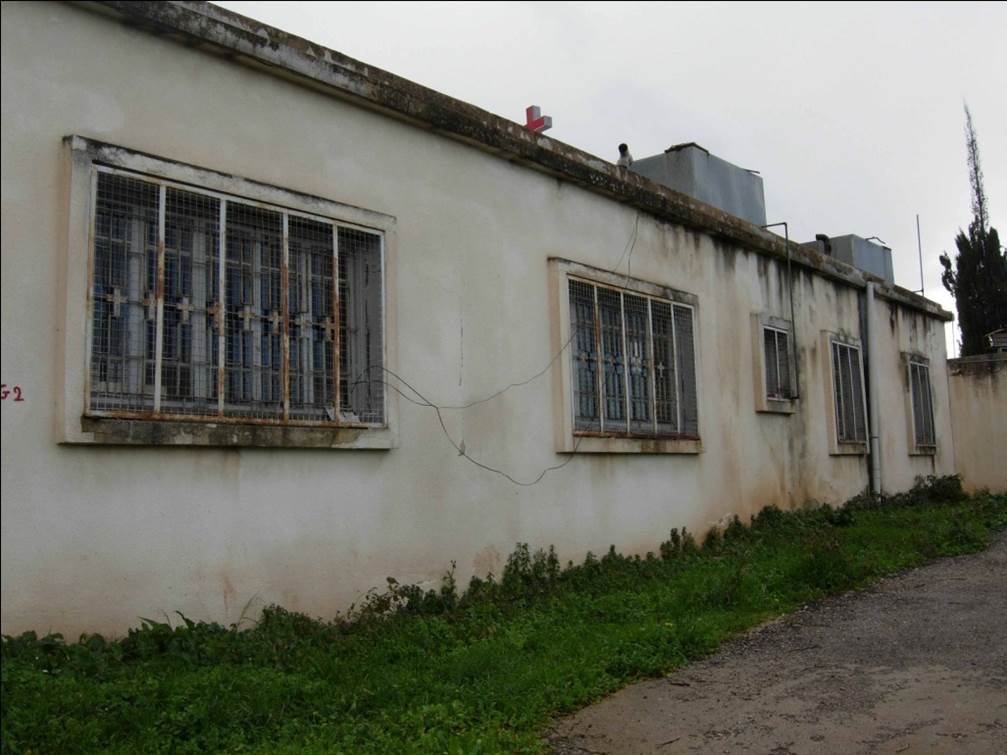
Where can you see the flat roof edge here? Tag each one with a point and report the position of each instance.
(287, 54)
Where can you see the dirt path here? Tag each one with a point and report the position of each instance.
(917, 663)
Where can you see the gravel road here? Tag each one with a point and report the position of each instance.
(916, 663)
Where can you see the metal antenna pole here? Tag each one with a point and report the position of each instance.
(919, 247)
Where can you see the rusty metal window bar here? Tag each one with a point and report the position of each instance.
(634, 372)
(206, 306)
(776, 348)
(847, 382)
(923, 408)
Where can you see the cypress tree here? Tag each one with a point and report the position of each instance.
(978, 277)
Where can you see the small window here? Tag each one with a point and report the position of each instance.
(847, 384)
(634, 371)
(208, 306)
(776, 351)
(923, 408)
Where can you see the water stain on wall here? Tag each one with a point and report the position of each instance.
(487, 561)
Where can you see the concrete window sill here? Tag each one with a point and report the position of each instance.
(849, 449)
(783, 406)
(134, 432)
(615, 445)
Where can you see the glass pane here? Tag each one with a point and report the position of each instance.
(783, 362)
(772, 367)
(859, 418)
(846, 386)
(584, 356)
(686, 360)
(312, 327)
(837, 384)
(361, 359)
(923, 419)
(917, 394)
(613, 361)
(124, 310)
(930, 437)
(191, 296)
(253, 312)
(638, 363)
(665, 393)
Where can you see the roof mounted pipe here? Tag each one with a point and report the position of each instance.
(790, 293)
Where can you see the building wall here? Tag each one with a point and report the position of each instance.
(902, 331)
(978, 389)
(96, 536)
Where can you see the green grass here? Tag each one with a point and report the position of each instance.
(480, 672)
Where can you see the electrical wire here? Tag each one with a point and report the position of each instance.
(424, 402)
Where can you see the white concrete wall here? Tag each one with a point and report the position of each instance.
(902, 331)
(978, 388)
(94, 537)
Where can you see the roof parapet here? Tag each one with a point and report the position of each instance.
(254, 43)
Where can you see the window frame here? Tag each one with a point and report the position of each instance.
(837, 446)
(568, 438)
(764, 403)
(910, 360)
(83, 424)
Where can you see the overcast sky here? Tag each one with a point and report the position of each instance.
(851, 112)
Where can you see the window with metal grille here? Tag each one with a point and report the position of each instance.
(634, 370)
(207, 306)
(923, 408)
(776, 348)
(847, 382)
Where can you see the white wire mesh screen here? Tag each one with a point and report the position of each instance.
(123, 311)
(265, 332)
(362, 378)
(312, 328)
(253, 334)
(643, 349)
(190, 351)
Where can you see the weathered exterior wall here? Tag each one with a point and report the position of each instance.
(95, 536)
(902, 331)
(978, 390)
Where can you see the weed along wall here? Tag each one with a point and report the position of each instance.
(978, 388)
(484, 669)
(264, 462)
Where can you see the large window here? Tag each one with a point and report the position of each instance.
(633, 363)
(848, 390)
(207, 306)
(922, 406)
